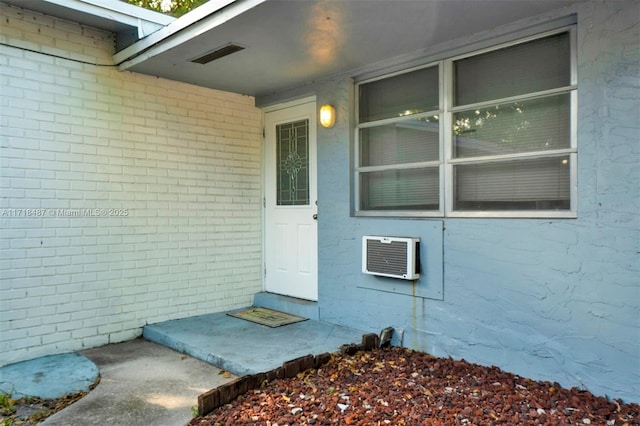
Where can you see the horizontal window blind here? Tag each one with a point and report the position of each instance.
(400, 143)
(516, 70)
(535, 125)
(405, 94)
(525, 180)
(410, 189)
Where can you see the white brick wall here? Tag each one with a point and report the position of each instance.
(182, 161)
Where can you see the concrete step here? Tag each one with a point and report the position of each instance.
(288, 304)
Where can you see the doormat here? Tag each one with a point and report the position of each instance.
(266, 316)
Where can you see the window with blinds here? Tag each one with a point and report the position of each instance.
(399, 142)
(499, 141)
(511, 135)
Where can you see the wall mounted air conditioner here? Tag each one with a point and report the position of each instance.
(393, 257)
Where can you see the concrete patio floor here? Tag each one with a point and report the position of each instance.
(149, 381)
(243, 347)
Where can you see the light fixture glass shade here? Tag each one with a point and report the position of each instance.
(327, 116)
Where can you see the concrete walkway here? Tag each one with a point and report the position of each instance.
(141, 383)
(146, 383)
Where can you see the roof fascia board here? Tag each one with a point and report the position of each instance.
(194, 23)
(125, 9)
(147, 21)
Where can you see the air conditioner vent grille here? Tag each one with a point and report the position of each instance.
(387, 258)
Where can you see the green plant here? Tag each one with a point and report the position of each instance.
(172, 7)
(7, 404)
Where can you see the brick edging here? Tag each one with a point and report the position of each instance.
(224, 394)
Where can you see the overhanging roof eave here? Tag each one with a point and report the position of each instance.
(194, 23)
(119, 11)
(110, 15)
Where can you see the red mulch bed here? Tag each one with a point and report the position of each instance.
(396, 386)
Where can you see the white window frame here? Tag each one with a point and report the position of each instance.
(446, 161)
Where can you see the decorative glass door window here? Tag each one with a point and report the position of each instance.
(292, 162)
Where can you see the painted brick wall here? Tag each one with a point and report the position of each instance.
(125, 199)
(556, 300)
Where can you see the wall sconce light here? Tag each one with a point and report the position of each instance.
(327, 116)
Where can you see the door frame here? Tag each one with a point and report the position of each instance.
(265, 110)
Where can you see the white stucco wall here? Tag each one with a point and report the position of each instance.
(125, 199)
(555, 299)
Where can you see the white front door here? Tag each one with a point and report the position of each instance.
(291, 231)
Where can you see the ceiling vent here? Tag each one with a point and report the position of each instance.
(218, 53)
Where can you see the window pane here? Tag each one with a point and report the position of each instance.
(404, 94)
(536, 125)
(538, 184)
(399, 143)
(412, 189)
(292, 150)
(525, 68)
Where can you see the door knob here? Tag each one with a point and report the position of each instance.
(315, 216)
